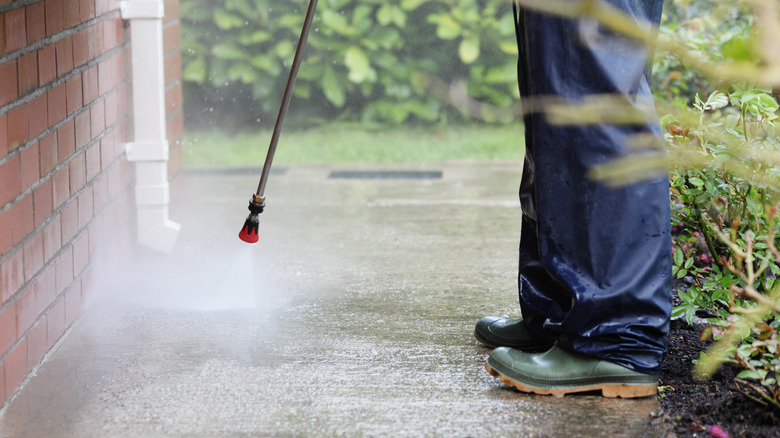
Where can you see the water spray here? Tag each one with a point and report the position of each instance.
(257, 203)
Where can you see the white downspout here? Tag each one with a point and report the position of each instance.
(149, 151)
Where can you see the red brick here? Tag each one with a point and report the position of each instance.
(106, 76)
(10, 180)
(3, 394)
(31, 172)
(78, 172)
(55, 323)
(39, 120)
(48, 153)
(8, 328)
(95, 236)
(63, 271)
(28, 72)
(15, 30)
(22, 218)
(86, 9)
(113, 32)
(98, 118)
(42, 201)
(96, 40)
(173, 98)
(36, 22)
(73, 303)
(70, 222)
(9, 84)
(52, 238)
(66, 140)
(83, 131)
(106, 152)
(47, 65)
(171, 37)
(3, 135)
(29, 306)
(54, 17)
(60, 187)
(171, 10)
(80, 254)
(33, 255)
(74, 89)
(122, 106)
(11, 275)
(85, 207)
(81, 47)
(57, 104)
(93, 161)
(175, 127)
(6, 239)
(64, 49)
(16, 366)
(70, 12)
(100, 188)
(172, 66)
(2, 52)
(102, 7)
(18, 132)
(114, 181)
(36, 344)
(112, 108)
(90, 84)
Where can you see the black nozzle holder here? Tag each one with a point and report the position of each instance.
(256, 205)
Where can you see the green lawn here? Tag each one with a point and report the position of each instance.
(339, 143)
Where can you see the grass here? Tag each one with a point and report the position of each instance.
(340, 143)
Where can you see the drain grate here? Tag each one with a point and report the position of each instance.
(233, 171)
(385, 174)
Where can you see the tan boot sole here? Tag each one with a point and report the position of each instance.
(610, 390)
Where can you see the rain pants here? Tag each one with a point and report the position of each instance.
(595, 262)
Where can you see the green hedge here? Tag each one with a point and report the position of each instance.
(366, 60)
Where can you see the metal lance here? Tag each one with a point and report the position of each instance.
(257, 203)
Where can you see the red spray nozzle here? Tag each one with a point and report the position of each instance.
(249, 231)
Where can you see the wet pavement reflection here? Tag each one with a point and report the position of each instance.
(352, 316)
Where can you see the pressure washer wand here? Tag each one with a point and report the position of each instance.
(257, 203)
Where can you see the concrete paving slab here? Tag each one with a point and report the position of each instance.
(352, 316)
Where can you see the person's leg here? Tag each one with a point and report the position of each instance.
(595, 267)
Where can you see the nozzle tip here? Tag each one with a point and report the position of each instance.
(249, 232)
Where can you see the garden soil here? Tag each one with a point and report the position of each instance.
(693, 406)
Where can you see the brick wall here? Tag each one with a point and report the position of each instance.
(66, 189)
(173, 90)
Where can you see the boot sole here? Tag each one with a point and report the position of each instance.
(610, 390)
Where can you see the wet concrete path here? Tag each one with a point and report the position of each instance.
(353, 316)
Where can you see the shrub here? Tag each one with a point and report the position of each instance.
(366, 60)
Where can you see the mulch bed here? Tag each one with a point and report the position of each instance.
(693, 406)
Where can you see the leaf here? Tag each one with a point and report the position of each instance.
(698, 182)
(468, 50)
(195, 70)
(410, 5)
(716, 100)
(337, 22)
(333, 91)
(678, 257)
(228, 51)
(226, 20)
(448, 28)
(389, 13)
(359, 66)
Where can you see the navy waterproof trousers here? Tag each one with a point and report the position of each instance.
(595, 262)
